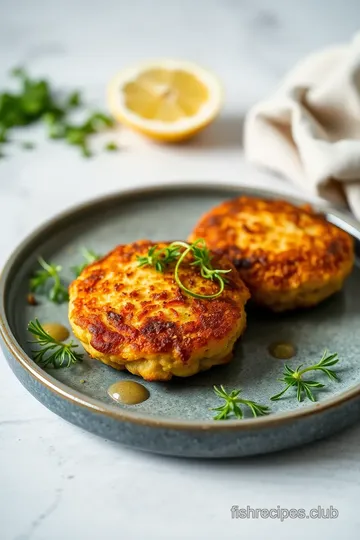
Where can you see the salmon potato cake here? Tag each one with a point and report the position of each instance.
(288, 256)
(136, 318)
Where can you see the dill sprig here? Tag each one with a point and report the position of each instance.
(52, 353)
(231, 407)
(177, 251)
(49, 274)
(294, 378)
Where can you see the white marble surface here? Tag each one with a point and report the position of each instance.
(56, 481)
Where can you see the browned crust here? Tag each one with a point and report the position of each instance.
(275, 245)
(152, 315)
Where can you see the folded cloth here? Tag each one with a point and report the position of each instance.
(309, 130)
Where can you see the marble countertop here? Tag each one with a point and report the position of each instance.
(57, 481)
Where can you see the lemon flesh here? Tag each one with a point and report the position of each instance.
(164, 95)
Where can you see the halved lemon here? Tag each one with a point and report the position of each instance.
(168, 100)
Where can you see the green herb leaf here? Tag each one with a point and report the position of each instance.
(111, 147)
(159, 258)
(37, 101)
(75, 135)
(74, 100)
(86, 152)
(47, 281)
(294, 378)
(231, 408)
(98, 121)
(56, 131)
(3, 135)
(52, 353)
(18, 72)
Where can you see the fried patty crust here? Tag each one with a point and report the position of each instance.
(288, 256)
(136, 318)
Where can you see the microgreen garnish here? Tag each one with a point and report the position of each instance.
(37, 101)
(52, 353)
(161, 258)
(293, 378)
(50, 274)
(202, 258)
(90, 256)
(231, 407)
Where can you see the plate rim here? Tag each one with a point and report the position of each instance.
(123, 415)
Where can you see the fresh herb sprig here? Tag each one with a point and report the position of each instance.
(294, 378)
(48, 281)
(52, 353)
(37, 101)
(232, 406)
(202, 258)
(177, 251)
(90, 257)
(160, 258)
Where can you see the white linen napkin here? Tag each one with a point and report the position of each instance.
(309, 130)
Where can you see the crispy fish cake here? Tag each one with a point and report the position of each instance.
(138, 319)
(289, 257)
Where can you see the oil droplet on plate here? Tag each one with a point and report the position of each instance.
(56, 331)
(128, 392)
(282, 350)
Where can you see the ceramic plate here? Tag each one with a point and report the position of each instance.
(176, 419)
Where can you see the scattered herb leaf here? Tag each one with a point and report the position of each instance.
(49, 274)
(294, 378)
(232, 406)
(3, 135)
(37, 101)
(74, 100)
(111, 147)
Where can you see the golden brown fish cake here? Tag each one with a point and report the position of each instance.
(288, 256)
(138, 319)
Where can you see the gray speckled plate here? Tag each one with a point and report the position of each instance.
(176, 418)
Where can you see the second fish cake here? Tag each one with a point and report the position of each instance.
(288, 256)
